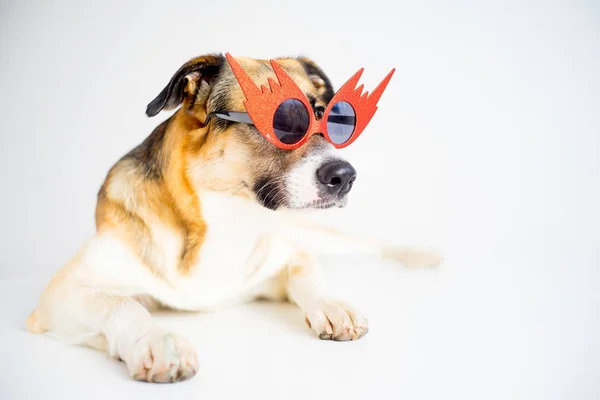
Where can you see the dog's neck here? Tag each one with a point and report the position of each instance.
(184, 134)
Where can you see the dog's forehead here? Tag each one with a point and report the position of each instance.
(227, 93)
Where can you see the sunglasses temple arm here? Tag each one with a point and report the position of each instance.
(231, 116)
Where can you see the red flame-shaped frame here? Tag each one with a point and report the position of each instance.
(262, 103)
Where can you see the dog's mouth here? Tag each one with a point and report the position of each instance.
(325, 203)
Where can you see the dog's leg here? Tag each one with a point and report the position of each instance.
(321, 239)
(81, 312)
(330, 318)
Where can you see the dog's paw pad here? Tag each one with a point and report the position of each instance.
(334, 320)
(163, 358)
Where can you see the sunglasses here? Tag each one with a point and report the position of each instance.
(283, 114)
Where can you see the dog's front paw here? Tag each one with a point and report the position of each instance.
(334, 320)
(163, 357)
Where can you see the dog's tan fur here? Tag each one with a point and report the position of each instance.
(182, 223)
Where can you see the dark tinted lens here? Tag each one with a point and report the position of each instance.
(291, 121)
(340, 122)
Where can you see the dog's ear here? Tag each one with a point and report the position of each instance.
(186, 82)
(318, 78)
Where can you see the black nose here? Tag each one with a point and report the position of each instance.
(337, 176)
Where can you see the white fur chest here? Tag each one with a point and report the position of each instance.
(239, 251)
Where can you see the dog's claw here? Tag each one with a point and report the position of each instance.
(163, 358)
(334, 320)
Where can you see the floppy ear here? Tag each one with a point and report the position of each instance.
(317, 77)
(185, 82)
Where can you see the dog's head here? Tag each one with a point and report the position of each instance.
(234, 157)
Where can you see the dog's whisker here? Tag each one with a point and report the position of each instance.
(272, 182)
(242, 187)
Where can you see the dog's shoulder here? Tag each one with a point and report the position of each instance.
(136, 176)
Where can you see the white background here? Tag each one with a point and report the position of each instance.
(485, 145)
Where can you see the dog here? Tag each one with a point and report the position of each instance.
(201, 215)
